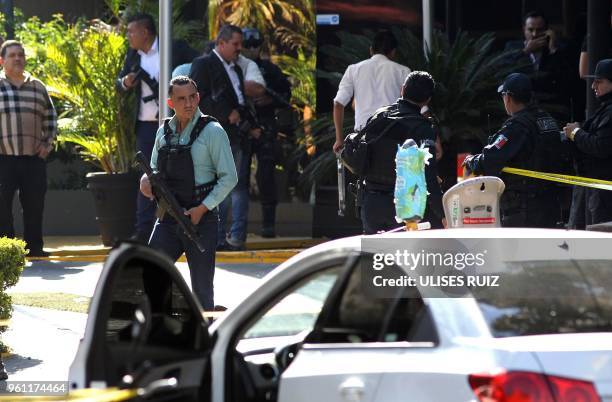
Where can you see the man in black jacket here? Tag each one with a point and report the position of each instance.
(262, 145)
(140, 73)
(530, 140)
(545, 60)
(377, 207)
(220, 82)
(592, 143)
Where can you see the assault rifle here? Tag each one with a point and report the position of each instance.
(167, 202)
(142, 75)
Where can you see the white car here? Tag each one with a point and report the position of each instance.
(313, 331)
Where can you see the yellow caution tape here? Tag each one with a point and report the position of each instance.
(82, 395)
(562, 178)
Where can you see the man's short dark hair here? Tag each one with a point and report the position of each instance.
(418, 86)
(8, 44)
(226, 32)
(384, 42)
(535, 14)
(146, 20)
(180, 80)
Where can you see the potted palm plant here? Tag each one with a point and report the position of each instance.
(80, 70)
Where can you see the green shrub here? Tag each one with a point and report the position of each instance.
(12, 262)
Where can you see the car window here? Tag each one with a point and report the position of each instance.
(172, 322)
(357, 316)
(298, 310)
(564, 297)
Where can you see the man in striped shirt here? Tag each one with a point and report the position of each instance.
(28, 125)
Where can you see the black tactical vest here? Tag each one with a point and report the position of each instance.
(175, 165)
(380, 173)
(544, 152)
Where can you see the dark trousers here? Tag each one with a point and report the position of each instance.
(145, 208)
(598, 206)
(577, 217)
(377, 212)
(28, 175)
(168, 238)
(263, 149)
(541, 210)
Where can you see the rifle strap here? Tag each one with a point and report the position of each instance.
(199, 126)
(195, 131)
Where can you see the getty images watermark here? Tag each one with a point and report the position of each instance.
(418, 267)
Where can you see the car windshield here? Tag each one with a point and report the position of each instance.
(555, 297)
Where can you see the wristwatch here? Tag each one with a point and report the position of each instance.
(573, 133)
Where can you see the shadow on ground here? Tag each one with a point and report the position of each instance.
(53, 270)
(252, 270)
(16, 363)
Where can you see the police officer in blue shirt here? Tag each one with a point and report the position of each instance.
(192, 153)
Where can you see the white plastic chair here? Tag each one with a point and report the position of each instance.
(474, 203)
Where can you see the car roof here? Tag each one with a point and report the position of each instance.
(355, 242)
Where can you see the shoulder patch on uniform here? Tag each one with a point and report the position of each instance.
(500, 141)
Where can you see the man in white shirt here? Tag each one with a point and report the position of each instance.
(140, 73)
(374, 83)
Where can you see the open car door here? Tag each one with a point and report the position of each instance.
(145, 330)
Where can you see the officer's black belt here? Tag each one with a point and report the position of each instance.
(203, 190)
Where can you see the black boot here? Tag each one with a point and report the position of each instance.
(268, 213)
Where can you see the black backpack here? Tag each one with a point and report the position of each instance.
(354, 154)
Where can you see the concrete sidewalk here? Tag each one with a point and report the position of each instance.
(258, 249)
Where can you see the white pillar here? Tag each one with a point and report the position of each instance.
(427, 24)
(165, 54)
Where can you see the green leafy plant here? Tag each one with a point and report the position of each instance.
(184, 26)
(12, 262)
(79, 70)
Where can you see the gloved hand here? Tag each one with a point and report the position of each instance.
(468, 166)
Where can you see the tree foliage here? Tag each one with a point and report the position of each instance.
(79, 64)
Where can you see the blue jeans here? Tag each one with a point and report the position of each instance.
(168, 238)
(145, 208)
(238, 199)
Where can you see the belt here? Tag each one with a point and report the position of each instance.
(202, 191)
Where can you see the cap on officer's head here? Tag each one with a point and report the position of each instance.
(518, 86)
(251, 37)
(603, 70)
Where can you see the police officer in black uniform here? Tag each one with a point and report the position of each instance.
(377, 207)
(193, 155)
(267, 107)
(529, 139)
(592, 145)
